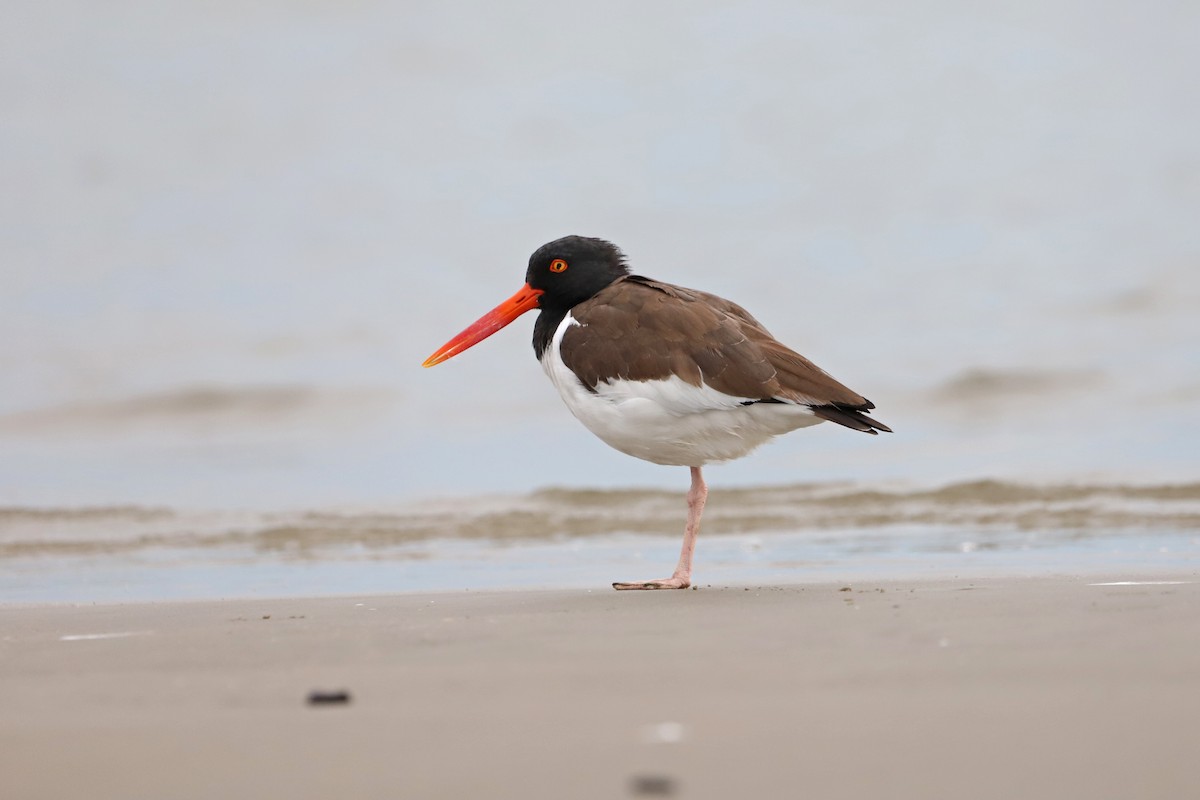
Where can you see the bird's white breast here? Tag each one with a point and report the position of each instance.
(670, 421)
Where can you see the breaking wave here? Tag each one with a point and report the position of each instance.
(558, 514)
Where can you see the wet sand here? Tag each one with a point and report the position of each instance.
(999, 687)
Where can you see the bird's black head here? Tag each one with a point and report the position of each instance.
(573, 269)
(561, 275)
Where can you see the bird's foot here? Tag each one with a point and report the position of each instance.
(673, 582)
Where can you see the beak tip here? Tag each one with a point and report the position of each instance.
(526, 299)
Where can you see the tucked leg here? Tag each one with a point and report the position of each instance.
(682, 577)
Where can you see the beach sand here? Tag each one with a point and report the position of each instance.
(981, 688)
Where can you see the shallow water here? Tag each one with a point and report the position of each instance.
(572, 538)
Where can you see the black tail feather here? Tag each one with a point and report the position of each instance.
(851, 417)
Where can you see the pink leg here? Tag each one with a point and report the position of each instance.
(682, 578)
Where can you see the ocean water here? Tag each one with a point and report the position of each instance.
(229, 235)
(560, 538)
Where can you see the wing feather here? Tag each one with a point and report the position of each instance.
(643, 330)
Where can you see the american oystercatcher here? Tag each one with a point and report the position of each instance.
(666, 374)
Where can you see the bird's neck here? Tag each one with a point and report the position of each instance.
(544, 328)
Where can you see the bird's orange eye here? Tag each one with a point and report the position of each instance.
(558, 265)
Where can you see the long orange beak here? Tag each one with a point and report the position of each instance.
(526, 299)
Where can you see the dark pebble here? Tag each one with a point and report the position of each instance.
(319, 698)
(659, 785)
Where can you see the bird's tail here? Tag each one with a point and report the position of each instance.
(852, 417)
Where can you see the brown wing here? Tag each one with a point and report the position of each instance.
(640, 329)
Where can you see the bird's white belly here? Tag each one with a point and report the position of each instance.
(670, 421)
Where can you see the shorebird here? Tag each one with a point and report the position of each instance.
(671, 375)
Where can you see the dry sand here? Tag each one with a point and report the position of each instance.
(994, 688)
